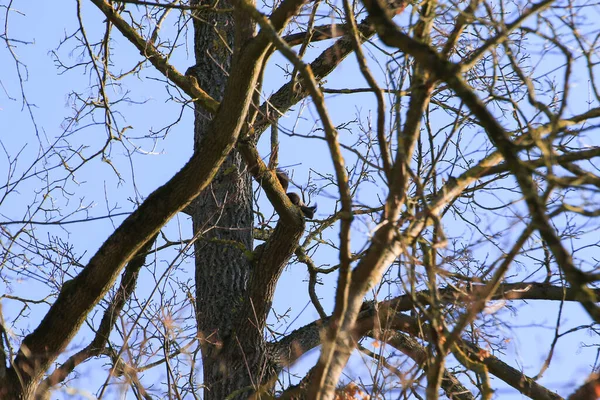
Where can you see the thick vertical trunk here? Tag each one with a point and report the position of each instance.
(11, 388)
(223, 213)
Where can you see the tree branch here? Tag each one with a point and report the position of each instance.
(287, 96)
(453, 388)
(97, 345)
(271, 257)
(186, 83)
(318, 33)
(298, 342)
(589, 390)
(78, 296)
(308, 337)
(370, 319)
(450, 73)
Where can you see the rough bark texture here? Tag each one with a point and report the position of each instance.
(223, 215)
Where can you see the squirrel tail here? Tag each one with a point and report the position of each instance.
(309, 212)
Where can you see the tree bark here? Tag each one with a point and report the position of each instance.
(223, 216)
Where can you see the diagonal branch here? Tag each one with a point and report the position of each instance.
(362, 63)
(308, 337)
(497, 367)
(186, 83)
(78, 296)
(97, 345)
(453, 388)
(271, 257)
(450, 73)
(384, 243)
(563, 159)
(318, 33)
(288, 95)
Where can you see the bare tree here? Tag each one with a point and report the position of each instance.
(463, 185)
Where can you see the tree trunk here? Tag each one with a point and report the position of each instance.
(223, 216)
(11, 388)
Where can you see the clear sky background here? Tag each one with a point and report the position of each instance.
(43, 25)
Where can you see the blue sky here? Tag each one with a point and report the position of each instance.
(98, 189)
